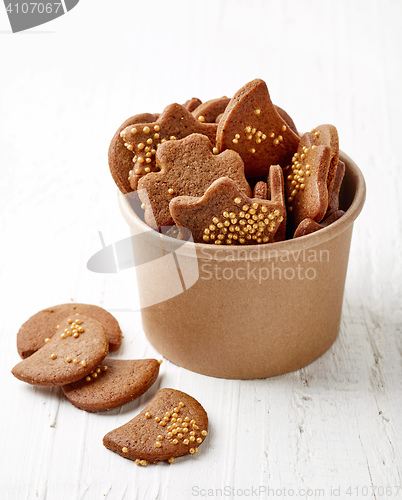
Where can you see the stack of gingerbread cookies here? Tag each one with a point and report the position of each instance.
(67, 346)
(232, 171)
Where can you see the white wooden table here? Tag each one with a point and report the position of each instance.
(332, 429)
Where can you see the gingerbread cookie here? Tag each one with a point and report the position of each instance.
(210, 110)
(192, 104)
(112, 384)
(188, 167)
(78, 347)
(327, 135)
(176, 122)
(333, 201)
(276, 193)
(252, 126)
(282, 113)
(172, 425)
(308, 226)
(121, 158)
(260, 190)
(225, 215)
(306, 181)
(44, 324)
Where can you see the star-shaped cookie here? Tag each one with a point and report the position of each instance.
(306, 181)
(143, 139)
(252, 126)
(225, 215)
(187, 167)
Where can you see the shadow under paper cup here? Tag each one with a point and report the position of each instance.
(246, 311)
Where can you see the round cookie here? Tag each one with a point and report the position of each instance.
(75, 351)
(172, 425)
(113, 383)
(42, 325)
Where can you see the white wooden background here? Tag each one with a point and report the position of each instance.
(64, 89)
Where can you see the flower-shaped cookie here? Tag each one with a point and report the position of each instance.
(143, 139)
(252, 126)
(187, 167)
(225, 215)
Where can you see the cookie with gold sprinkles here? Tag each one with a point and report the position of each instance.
(187, 167)
(306, 181)
(174, 424)
(327, 135)
(73, 353)
(121, 158)
(226, 216)
(276, 193)
(208, 111)
(113, 383)
(252, 126)
(287, 118)
(143, 139)
(44, 324)
(308, 226)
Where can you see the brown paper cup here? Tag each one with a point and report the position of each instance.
(245, 312)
